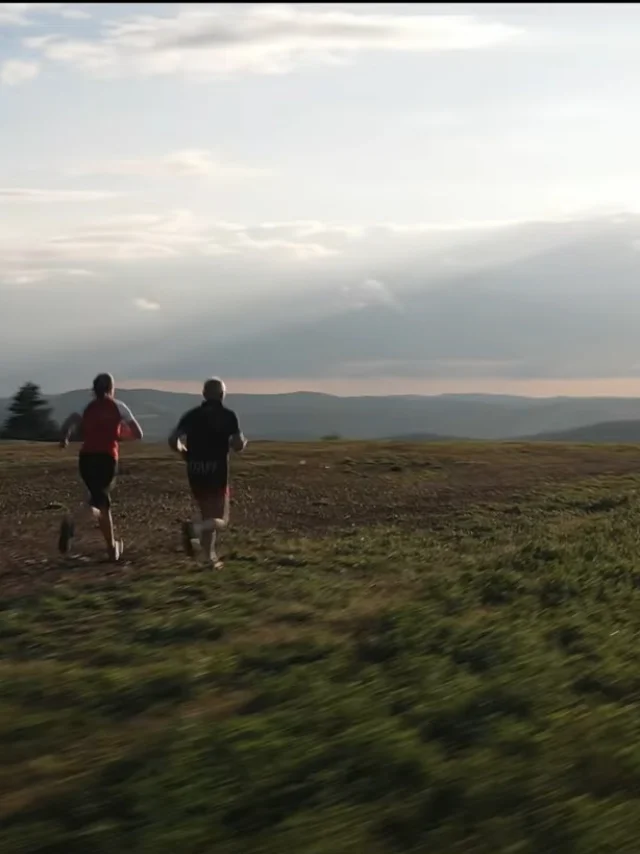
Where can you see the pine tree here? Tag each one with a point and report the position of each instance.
(30, 417)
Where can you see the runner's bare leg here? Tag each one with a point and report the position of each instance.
(88, 512)
(105, 522)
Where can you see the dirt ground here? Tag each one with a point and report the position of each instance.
(286, 489)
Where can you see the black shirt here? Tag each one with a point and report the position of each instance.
(207, 430)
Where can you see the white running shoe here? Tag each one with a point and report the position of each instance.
(115, 553)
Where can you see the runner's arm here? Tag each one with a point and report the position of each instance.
(71, 423)
(134, 429)
(176, 436)
(237, 441)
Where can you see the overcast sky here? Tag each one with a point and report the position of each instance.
(197, 176)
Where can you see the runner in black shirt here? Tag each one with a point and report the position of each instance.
(203, 437)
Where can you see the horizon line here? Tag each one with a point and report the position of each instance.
(613, 388)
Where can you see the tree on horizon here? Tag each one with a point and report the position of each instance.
(31, 417)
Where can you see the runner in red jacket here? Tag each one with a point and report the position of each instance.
(103, 425)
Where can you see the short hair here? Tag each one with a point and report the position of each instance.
(214, 389)
(103, 384)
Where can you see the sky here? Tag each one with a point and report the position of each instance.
(354, 198)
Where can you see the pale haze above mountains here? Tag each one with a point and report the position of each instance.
(350, 198)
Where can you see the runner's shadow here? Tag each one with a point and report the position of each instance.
(88, 560)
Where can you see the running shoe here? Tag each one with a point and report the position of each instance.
(115, 552)
(190, 541)
(66, 535)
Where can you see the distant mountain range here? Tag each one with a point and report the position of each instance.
(304, 416)
(611, 432)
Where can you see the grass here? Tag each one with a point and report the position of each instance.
(411, 649)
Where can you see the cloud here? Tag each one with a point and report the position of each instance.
(36, 276)
(298, 249)
(23, 14)
(18, 13)
(309, 228)
(74, 14)
(13, 72)
(460, 226)
(29, 194)
(479, 324)
(137, 237)
(342, 255)
(189, 163)
(539, 311)
(176, 234)
(207, 40)
(146, 305)
(370, 292)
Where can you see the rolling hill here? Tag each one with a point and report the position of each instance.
(611, 432)
(306, 416)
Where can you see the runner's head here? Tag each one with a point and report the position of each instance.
(103, 386)
(214, 390)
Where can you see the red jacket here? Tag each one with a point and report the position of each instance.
(102, 423)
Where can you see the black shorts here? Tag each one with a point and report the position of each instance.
(207, 479)
(98, 472)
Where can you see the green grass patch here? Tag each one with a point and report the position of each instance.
(472, 687)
